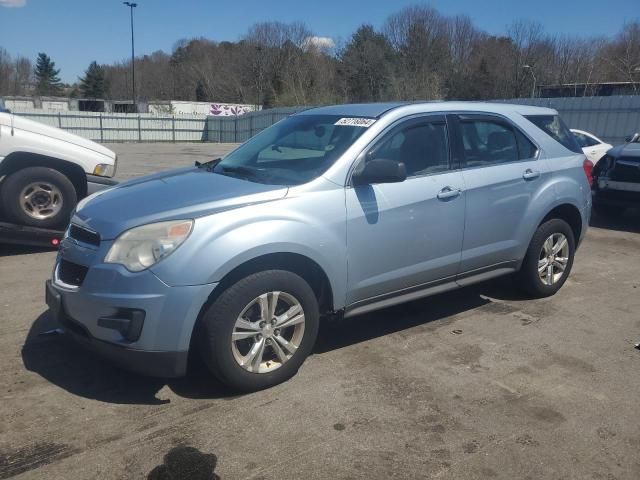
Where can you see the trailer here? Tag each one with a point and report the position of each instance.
(31, 236)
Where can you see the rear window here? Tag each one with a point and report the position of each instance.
(553, 126)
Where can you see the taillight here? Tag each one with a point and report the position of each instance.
(587, 165)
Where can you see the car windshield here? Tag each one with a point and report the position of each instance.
(295, 150)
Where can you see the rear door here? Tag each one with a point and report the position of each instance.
(501, 173)
(408, 234)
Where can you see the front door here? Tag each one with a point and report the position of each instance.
(402, 235)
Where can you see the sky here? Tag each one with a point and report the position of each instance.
(76, 32)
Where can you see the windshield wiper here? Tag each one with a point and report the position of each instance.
(242, 170)
(210, 165)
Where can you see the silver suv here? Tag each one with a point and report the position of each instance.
(334, 211)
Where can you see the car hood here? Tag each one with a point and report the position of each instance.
(53, 132)
(176, 194)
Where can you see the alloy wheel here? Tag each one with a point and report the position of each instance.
(268, 332)
(553, 259)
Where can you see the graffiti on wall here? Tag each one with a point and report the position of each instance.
(228, 110)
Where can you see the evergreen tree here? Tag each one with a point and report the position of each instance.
(201, 94)
(47, 80)
(367, 64)
(92, 85)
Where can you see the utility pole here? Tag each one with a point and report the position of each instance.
(533, 90)
(133, 56)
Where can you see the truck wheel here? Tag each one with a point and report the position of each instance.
(38, 197)
(549, 259)
(259, 331)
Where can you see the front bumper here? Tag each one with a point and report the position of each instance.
(93, 311)
(151, 363)
(96, 183)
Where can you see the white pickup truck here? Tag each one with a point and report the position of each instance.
(45, 171)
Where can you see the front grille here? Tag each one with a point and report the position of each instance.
(71, 273)
(83, 235)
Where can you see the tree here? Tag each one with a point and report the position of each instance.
(201, 94)
(92, 84)
(47, 80)
(367, 64)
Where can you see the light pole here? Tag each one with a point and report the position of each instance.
(533, 90)
(133, 56)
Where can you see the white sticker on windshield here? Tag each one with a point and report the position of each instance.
(356, 122)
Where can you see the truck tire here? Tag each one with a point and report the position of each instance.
(38, 197)
(259, 331)
(549, 259)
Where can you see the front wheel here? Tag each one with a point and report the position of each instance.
(38, 197)
(259, 331)
(549, 259)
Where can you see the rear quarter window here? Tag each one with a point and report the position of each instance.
(553, 126)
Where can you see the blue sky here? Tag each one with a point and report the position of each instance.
(76, 32)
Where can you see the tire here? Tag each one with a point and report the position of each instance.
(51, 197)
(530, 279)
(224, 356)
(611, 211)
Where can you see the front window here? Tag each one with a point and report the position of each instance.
(295, 150)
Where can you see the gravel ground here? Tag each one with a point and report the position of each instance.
(478, 383)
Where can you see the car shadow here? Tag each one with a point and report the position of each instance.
(61, 361)
(629, 222)
(439, 308)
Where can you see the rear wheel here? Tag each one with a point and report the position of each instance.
(259, 331)
(549, 259)
(38, 197)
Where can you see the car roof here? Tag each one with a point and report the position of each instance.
(626, 150)
(377, 110)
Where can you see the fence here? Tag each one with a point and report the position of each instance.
(610, 118)
(104, 128)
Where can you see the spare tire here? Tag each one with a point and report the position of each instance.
(38, 197)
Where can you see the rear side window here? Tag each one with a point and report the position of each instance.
(584, 141)
(553, 126)
(489, 142)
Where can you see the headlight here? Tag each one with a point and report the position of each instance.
(141, 247)
(104, 170)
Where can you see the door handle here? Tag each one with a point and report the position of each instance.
(530, 174)
(448, 192)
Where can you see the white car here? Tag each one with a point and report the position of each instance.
(45, 171)
(592, 146)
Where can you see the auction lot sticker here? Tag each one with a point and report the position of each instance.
(356, 122)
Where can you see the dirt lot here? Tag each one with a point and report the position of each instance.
(478, 383)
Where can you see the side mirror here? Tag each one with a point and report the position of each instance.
(380, 170)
